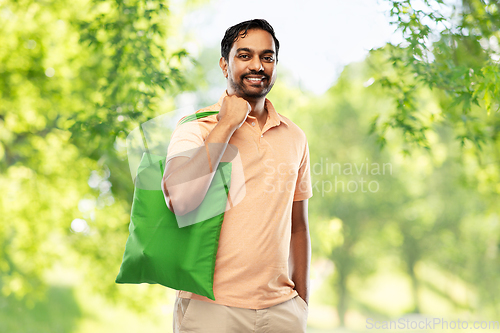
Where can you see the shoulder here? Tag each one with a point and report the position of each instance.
(294, 128)
(202, 116)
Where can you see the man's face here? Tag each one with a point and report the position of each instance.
(251, 67)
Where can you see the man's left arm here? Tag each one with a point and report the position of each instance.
(300, 249)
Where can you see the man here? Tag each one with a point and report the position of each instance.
(265, 233)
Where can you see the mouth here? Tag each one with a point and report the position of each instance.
(254, 79)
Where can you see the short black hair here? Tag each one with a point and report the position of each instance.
(241, 29)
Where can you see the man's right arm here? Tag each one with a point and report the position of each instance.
(186, 179)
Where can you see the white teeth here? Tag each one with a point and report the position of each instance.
(253, 79)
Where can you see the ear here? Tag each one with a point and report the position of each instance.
(223, 66)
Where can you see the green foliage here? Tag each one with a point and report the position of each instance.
(58, 313)
(130, 67)
(75, 78)
(452, 49)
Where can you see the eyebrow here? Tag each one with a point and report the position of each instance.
(246, 49)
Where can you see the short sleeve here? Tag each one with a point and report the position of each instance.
(186, 138)
(303, 187)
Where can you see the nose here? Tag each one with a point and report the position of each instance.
(256, 65)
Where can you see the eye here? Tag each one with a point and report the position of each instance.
(269, 59)
(243, 56)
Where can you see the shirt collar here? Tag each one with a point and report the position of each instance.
(274, 118)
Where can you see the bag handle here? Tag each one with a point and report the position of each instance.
(197, 115)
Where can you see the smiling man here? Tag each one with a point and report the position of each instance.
(262, 266)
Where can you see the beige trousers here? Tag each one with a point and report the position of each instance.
(202, 317)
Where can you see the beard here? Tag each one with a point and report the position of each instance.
(243, 90)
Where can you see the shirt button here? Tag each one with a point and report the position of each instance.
(253, 124)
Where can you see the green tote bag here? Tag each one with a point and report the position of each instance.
(157, 249)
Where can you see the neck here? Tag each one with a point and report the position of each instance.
(258, 108)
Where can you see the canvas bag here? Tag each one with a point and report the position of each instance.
(157, 250)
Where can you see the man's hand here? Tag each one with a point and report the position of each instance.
(234, 111)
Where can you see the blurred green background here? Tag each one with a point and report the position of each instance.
(404, 148)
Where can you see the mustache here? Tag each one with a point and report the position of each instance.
(254, 73)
